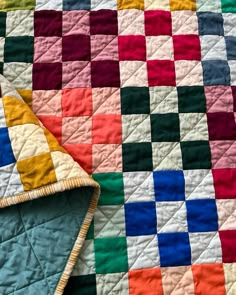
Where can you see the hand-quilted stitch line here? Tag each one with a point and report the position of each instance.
(9, 181)
(111, 292)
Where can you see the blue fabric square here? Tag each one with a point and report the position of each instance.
(174, 249)
(76, 5)
(140, 219)
(6, 155)
(231, 47)
(216, 72)
(202, 215)
(169, 185)
(210, 23)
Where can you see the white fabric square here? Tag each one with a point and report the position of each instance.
(167, 156)
(131, 22)
(163, 99)
(103, 4)
(184, 22)
(229, 24)
(213, 47)
(2, 43)
(157, 5)
(159, 47)
(143, 252)
(49, 5)
(199, 184)
(115, 283)
(232, 66)
(20, 23)
(133, 73)
(205, 247)
(19, 74)
(138, 186)
(188, 73)
(226, 210)
(209, 5)
(2, 115)
(171, 217)
(229, 274)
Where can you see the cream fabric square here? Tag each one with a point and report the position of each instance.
(103, 4)
(226, 210)
(114, 283)
(229, 24)
(133, 73)
(163, 99)
(20, 23)
(2, 43)
(49, 5)
(157, 4)
(209, 5)
(213, 47)
(131, 22)
(230, 282)
(159, 47)
(19, 74)
(188, 73)
(2, 115)
(184, 22)
(232, 66)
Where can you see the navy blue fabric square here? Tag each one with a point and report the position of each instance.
(169, 185)
(140, 219)
(6, 156)
(216, 72)
(202, 215)
(174, 249)
(76, 5)
(210, 23)
(230, 42)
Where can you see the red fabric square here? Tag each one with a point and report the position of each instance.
(225, 183)
(132, 48)
(82, 154)
(76, 47)
(106, 129)
(221, 126)
(105, 73)
(228, 244)
(161, 73)
(47, 23)
(187, 47)
(47, 76)
(234, 96)
(103, 22)
(158, 23)
(53, 124)
(77, 102)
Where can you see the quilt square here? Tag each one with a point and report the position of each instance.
(196, 155)
(213, 47)
(76, 22)
(163, 99)
(219, 99)
(2, 48)
(136, 27)
(165, 127)
(133, 73)
(76, 74)
(132, 48)
(216, 72)
(98, 4)
(103, 22)
(228, 241)
(230, 47)
(104, 47)
(19, 49)
(54, 124)
(183, 5)
(111, 255)
(223, 154)
(132, 4)
(210, 5)
(140, 218)
(228, 6)
(191, 75)
(174, 249)
(169, 186)
(7, 156)
(224, 183)
(233, 89)
(48, 23)
(226, 210)
(232, 64)
(184, 22)
(229, 24)
(20, 23)
(85, 283)
(10, 185)
(210, 23)
(191, 99)
(114, 282)
(202, 215)
(106, 100)
(47, 49)
(3, 16)
(160, 47)
(157, 23)
(15, 4)
(48, 5)
(76, 5)
(137, 157)
(229, 270)
(187, 47)
(47, 76)
(161, 73)
(105, 73)
(157, 5)
(76, 41)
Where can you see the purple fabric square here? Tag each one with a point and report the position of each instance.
(103, 22)
(47, 76)
(48, 23)
(105, 73)
(76, 47)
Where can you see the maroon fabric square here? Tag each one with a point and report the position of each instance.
(103, 22)
(221, 126)
(105, 73)
(76, 47)
(132, 48)
(161, 73)
(187, 47)
(158, 23)
(47, 76)
(228, 244)
(48, 23)
(234, 96)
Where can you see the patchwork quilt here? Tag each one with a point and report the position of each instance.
(142, 95)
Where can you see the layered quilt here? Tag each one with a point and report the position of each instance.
(142, 95)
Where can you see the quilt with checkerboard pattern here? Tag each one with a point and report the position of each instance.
(142, 94)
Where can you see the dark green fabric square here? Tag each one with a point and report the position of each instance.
(19, 49)
(196, 155)
(82, 285)
(90, 233)
(1, 68)
(228, 6)
(111, 255)
(135, 100)
(137, 157)
(165, 127)
(191, 99)
(112, 188)
(3, 24)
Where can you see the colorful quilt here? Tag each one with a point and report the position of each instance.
(142, 95)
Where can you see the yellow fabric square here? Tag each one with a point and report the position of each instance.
(36, 171)
(26, 95)
(17, 112)
(182, 5)
(131, 4)
(53, 143)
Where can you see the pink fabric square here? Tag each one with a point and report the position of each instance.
(104, 47)
(107, 158)
(47, 49)
(106, 100)
(223, 154)
(76, 130)
(76, 74)
(76, 22)
(219, 99)
(47, 102)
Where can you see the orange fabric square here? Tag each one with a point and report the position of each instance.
(106, 129)
(53, 124)
(209, 279)
(145, 281)
(77, 102)
(183, 5)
